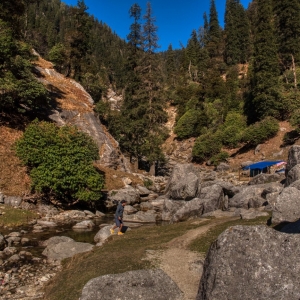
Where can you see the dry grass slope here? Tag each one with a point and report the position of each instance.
(14, 180)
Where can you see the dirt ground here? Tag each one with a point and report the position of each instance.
(182, 265)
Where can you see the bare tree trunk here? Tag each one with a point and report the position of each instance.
(294, 71)
(190, 69)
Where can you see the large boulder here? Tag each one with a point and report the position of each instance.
(141, 217)
(293, 175)
(183, 183)
(141, 284)
(128, 193)
(252, 195)
(102, 235)
(60, 251)
(228, 188)
(265, 178)
(212, 197)
(293, 158)
(12, 201)
(252, 262)
(84, 225)
(287, 206)
(56, 240)
(190, 209)
(170, 207)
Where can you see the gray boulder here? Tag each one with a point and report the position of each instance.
(252, 213)
(56, 240)
(170, 207)
(265, 178)
(84, 225)
(158, 203)
(128, 193)
(141, 284)
(183, 183)
(190, 209)
(102, 235)
(141, 217)
(295, 184)
(60, 251)
(287, 206)
(293, 175)
(212, 197)
(45, 223)
(228, 188)
(251, 196)
(143, 191)
(293, 158)
(145, 206)
(129, 210)
(252, 262)
(12, 200)
(222, 167)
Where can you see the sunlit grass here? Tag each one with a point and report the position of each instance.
(11, 217)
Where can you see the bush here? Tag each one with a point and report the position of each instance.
(190, 124)
(295, 120)
(260, 132)
(232, 130)
(60, 161)
(220, 157)
(205, 147)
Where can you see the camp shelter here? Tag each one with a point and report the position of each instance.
(263, 167)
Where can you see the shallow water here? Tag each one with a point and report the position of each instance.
(86, 236)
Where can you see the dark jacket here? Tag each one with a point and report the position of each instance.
(119, 211)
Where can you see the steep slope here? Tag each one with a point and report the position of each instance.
(181, 151)
(74, 106)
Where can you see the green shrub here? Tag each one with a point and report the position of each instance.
(260, 132)
(295, 120)
(232, 129)
(220, 157)
(205, 147)
(60, 161)
(190, 124)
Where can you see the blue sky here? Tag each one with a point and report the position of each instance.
(175, 19)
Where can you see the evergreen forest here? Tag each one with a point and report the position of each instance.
(230, 86)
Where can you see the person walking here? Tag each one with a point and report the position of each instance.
(119, 218)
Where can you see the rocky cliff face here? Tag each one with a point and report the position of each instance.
(74, 106)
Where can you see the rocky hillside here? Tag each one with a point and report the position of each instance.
(73, 105)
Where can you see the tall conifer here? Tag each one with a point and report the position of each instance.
(287, 22)
(264, 99)
(237, 33)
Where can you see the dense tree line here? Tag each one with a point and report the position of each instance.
(223, 81)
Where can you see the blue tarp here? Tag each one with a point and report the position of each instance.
(261, 165)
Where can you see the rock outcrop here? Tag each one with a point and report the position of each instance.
(287, 206)
(141, 284)
(57, 250)
(183, 183)
(74, 106)
(252, 262)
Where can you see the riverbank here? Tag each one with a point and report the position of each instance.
(143, 248)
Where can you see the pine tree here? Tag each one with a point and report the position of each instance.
(214, 33)
(237, 33)
(142, 111)
(264, 98)
(287, 22)
(135, 36)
